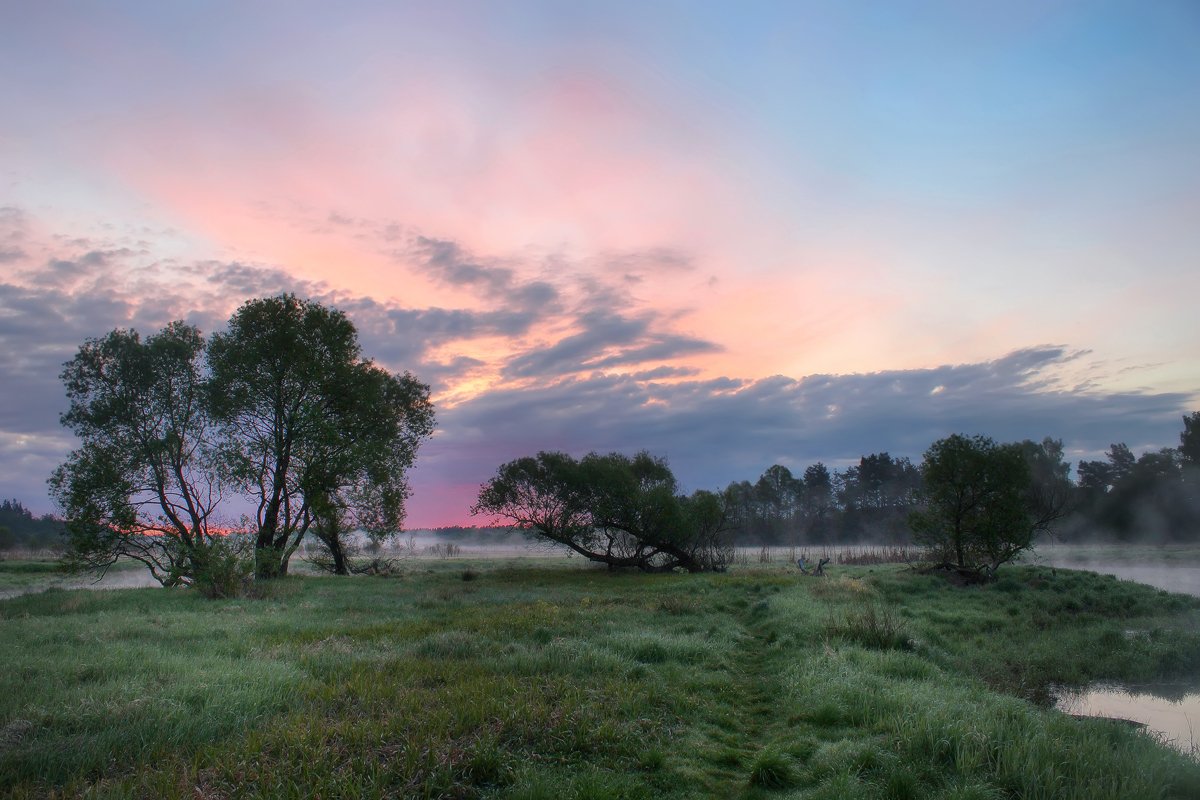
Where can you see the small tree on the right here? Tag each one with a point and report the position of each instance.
(977, 512)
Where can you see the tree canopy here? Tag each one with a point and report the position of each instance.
(280, 408)
(143, 483)
(617, 510)
(979, 511)
(311, 430)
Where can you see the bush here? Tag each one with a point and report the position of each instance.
(222, 568)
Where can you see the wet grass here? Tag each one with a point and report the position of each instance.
(548, 680)
(20, 573)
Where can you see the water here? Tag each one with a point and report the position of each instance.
(1173, 713)
(1173, 578)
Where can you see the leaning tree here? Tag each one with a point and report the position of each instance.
(613, 509)
(143, 483)
(314, 434)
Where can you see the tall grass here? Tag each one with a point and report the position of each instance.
(551, 680)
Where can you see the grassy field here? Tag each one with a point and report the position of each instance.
(24, 574)
(550, 680)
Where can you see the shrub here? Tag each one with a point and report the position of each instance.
(222, 568)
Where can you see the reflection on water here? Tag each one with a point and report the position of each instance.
(1171, 712)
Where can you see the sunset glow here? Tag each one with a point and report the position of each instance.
(732, 235)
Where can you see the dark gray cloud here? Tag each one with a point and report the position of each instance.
(572, 353)
(61, 271)
(447, 262)
(658, 373)
(236, 279)
(402, 337)
(104, 258)
(607, 339)
(663, 348)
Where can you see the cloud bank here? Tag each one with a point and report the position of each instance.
(582, 366)
(716, 431)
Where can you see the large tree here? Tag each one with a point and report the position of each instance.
(142, 485)
(314, 433)
(977, 494)
(1048, 498)
(617, 510)
(359, 482)
(1189, 453)
(818, 501)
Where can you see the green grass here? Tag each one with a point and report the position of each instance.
(549, 680)
(19, 574)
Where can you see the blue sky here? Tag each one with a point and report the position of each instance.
(733, 234)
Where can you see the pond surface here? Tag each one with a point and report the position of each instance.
(1171, 712)
(1173, 578)
(1185, 579)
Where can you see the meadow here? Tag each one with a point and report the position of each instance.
(548, 679)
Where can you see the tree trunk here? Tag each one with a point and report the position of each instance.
(339, 556)
(268, 562)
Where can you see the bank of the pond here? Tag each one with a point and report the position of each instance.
(512, 680)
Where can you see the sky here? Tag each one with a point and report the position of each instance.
(732, 234)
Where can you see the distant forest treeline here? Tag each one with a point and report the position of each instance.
(20, 529)
(1154, 496)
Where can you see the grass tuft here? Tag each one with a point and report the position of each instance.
(871, 625)
(773, 769)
